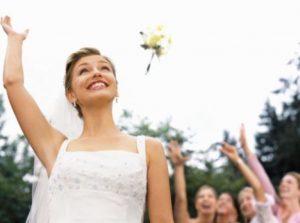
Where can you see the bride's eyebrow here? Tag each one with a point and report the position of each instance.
(104, 62)
(80, 65)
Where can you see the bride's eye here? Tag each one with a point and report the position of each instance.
(106, 68)
(83, 71)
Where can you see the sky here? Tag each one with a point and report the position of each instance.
(225, 59)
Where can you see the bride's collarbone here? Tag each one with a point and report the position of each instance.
(91, 145)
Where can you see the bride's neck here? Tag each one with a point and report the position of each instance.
(99, 122)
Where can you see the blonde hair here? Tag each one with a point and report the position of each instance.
(245, 189)
(295, 175)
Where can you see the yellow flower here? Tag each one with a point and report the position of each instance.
(169, 40)
(153, 41)
(160, 28)
(156, 41)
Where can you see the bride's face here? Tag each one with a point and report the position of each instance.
(93, 81)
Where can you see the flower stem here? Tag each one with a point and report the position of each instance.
(149, 65)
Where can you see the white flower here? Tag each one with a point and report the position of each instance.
(156, 41)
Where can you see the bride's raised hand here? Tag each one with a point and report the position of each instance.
(8, 29)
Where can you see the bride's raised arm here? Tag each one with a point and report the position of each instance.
(44, 139)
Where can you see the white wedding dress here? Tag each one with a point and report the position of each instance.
(102, 186)
(88, 187)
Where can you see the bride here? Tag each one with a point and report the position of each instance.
(104, 175)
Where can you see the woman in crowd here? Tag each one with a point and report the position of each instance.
(261, 204)
(205, 198)
(227, 209)
(287, 202)
(210, 208)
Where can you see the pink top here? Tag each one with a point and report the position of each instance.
(295, 218)
(260, 172)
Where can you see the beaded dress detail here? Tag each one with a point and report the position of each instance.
(102, 186)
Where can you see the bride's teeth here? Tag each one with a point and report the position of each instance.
(97, 86)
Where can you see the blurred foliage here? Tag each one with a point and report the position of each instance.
(15, 162)
(163, 130)
(278, 145)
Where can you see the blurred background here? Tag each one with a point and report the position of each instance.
(230, 62)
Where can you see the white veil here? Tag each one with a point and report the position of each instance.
(65, 119)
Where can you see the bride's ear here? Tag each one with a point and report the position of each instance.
(71, 96)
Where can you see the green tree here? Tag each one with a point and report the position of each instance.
(278, 146)
(15, 162)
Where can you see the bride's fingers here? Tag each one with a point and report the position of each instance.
(5, 20)
(8, 20)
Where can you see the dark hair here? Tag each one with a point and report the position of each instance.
(204, 187)
(235, 204)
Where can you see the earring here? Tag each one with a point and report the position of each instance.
(117, 99)
(74, 104)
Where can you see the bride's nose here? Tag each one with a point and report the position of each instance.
(96, 72)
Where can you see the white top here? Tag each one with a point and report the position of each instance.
(102, 186)
(264, 212)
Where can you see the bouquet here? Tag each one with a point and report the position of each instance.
(157, 42)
